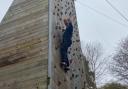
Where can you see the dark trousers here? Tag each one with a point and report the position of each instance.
(64, 52)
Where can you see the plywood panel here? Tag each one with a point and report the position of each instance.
(24, 45)
(75, 78)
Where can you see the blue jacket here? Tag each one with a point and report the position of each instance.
(67, 36)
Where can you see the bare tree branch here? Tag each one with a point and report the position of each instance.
(97, 64)
(120, 61)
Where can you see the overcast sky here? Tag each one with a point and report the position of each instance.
(96, 27)
(97, 21)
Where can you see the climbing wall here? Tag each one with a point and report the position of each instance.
(24, 45)
(75, 78)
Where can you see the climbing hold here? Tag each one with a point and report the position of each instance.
(59, 83)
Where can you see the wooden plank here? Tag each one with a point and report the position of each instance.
(24, 9)
(24, 45)
(75, 78)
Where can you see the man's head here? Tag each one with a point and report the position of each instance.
(66, 22)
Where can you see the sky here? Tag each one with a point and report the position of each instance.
(96, 27)
(97, 21)
(4, 5)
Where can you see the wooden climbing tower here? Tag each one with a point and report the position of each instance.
(30, 36)
(24, 45)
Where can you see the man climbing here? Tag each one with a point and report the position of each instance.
(66, 43)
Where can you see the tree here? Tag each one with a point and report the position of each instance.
(114, 86)
(119, 65)
(97, 64)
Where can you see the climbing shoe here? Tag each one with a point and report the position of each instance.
(64, 66)
(66, 69)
